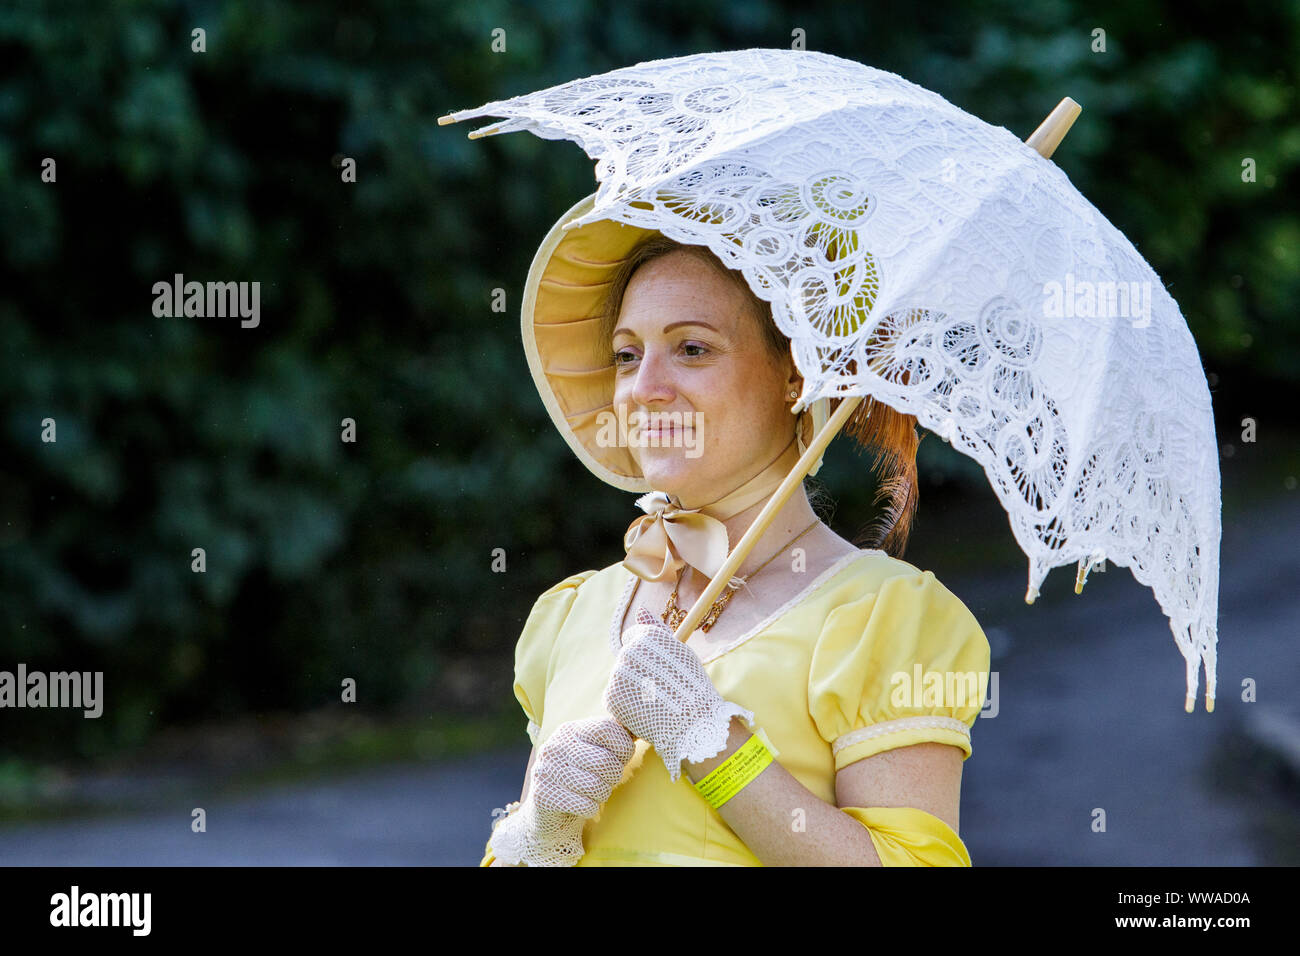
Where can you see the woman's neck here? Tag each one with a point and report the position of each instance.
(792, 519)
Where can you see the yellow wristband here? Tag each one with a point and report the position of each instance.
(732, 776)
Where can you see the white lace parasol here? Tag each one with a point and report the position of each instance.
(918, 255)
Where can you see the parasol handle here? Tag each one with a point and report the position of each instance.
(1045, 139)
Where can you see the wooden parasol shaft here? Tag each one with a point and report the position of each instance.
(1045, 139)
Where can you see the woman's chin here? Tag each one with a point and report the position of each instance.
(667, 470)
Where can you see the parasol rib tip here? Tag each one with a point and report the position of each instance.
(1189, 704)
(1209, 704)
(446, 120)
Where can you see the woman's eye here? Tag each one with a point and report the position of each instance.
(617, 357)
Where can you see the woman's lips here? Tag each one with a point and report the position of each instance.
(664, 427)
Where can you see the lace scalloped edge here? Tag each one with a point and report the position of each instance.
(511, 846)
(707, 737)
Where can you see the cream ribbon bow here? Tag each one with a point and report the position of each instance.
(669, 536)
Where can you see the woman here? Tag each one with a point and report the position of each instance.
(794, 674)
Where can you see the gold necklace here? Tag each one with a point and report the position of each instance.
(673, 615)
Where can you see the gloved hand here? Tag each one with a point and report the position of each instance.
(660, 692)
(575, 771)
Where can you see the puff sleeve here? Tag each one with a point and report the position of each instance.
(905, 664)
(533, 656)
(536, 641)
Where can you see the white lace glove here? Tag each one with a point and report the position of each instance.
(575, 771)
(660, 692)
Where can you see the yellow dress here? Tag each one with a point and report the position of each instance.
(872, 655)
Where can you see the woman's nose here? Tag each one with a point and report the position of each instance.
(652, 380)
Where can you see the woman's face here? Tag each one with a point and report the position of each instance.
(685, 342)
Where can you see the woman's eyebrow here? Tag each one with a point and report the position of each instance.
(670, 326)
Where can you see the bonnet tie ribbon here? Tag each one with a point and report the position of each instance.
(669, 536)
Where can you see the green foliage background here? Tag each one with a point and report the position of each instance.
(373, 560)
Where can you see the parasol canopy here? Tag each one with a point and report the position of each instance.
(920, 257)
